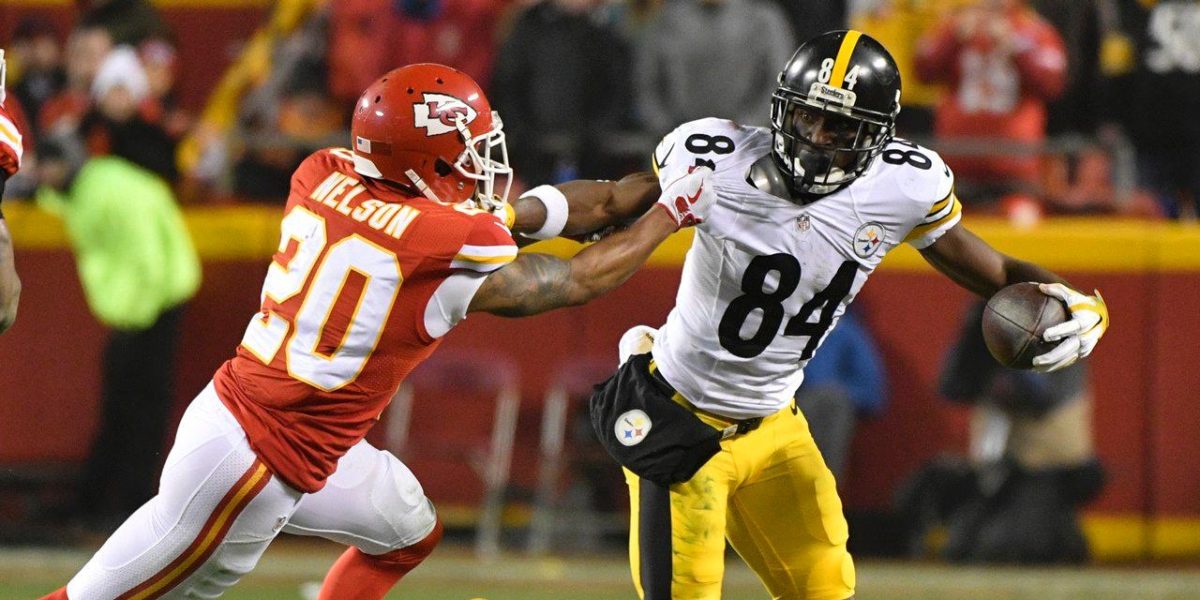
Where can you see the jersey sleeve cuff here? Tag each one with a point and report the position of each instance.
(942, 216)
(483, 259)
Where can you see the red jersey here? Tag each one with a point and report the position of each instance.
(364, 284)
(1000, 90)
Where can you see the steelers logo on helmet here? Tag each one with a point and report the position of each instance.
(632, 427)
(833, 112)
(868, 239)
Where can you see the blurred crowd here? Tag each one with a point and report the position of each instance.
(1040, 106)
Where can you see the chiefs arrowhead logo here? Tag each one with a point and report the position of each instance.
(439, 113)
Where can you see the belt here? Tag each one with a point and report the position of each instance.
(735, 427)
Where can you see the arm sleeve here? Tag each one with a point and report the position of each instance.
(488, 246)
(944, 213)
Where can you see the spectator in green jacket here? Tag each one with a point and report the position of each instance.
(138, 268)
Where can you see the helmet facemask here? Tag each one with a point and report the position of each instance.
(848, 141)
(483, 160)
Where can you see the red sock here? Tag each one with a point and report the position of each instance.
(360, 576)
(59, 594)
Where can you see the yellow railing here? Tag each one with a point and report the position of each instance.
(1070, 244)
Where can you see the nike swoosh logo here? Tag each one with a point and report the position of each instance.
(661, 164)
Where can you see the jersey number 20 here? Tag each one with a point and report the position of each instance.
(756, 297)
(314, 354)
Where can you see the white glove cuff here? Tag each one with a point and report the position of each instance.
(556, 211)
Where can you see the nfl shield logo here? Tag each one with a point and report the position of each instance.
(803, 223)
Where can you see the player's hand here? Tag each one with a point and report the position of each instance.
(688, 199)
(638, 340)
(1079, 334)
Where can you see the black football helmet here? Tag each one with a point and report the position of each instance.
(834, 111)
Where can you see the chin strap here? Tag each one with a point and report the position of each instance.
(422, 186)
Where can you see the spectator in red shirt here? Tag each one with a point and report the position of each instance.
(372, 36)
(1003, 63)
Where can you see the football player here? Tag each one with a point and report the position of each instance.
(384, 248)
(805, 212)
(10, 163)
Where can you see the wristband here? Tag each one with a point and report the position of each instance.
(556, 211)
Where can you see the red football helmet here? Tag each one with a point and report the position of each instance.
(430, 126)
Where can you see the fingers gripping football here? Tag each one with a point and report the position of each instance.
(688, 199)
(1079, 334)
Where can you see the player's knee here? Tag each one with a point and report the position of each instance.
(832, 576)
(400, 500)
(408, 557)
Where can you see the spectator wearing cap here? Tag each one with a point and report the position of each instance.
(138, 268)
(117, 124)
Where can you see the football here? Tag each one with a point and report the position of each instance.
(1014, 321)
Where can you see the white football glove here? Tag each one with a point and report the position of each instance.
(1079, 334)
(688, 199)
(638, 340)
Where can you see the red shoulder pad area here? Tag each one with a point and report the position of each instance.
(488, 246)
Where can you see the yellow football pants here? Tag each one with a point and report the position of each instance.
(767, 491)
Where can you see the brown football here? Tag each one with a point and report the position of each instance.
(1014, 321)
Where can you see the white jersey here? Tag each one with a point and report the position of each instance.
(766, 278)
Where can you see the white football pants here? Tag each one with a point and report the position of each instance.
(218, 507)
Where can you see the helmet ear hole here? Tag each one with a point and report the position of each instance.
(442, 168)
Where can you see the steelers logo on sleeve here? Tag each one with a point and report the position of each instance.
(632, 427)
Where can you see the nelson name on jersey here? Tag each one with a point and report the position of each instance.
(767, 277)
(343, 193)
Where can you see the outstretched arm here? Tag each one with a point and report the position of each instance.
(973, 264)
(590, 205)
(976, 266)
(536, 283)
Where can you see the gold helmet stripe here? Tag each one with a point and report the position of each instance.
(842, 62)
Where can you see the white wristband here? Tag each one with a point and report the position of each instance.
(556, 211)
